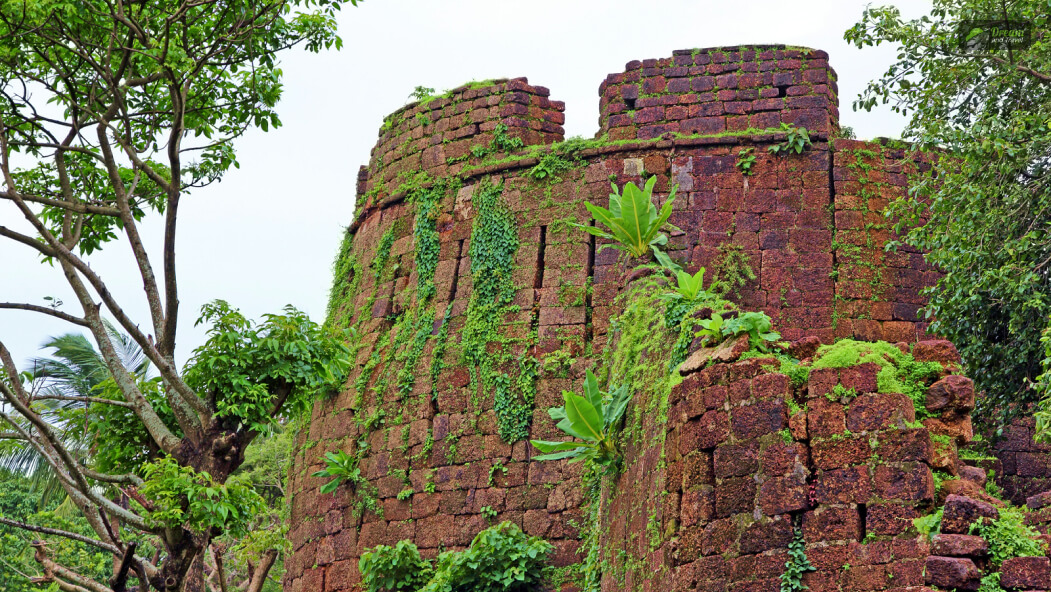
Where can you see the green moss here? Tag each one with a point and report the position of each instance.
(899, 372)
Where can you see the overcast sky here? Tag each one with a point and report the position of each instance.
(267, 234)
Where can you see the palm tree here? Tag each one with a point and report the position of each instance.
(65, 384)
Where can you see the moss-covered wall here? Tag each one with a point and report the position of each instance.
(471, 302)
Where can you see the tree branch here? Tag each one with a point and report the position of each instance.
(53, 570)
(262, 570)
(45, 310)
(62, 533)
(84, 399)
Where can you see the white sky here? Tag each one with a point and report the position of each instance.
(267, 234)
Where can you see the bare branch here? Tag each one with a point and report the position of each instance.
(54, 570)
(261, 570)
(80, 208)
(84, 399)
(45, 310)
(62, 533)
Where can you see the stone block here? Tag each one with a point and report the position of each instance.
(952, 573)
(832, 523)
(1026, 573)
(880, 411)
(959, 545)
(960, 512)
(951, 395)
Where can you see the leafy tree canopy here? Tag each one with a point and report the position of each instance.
(111, 112)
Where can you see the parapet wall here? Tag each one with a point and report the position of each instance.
(474, 303)
(435, 135)
(720, 90)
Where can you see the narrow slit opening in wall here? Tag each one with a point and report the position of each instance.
(863, 518)
(782, 91)
(589, 285)
(456, 273)
(538, 276)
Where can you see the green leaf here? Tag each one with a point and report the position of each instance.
(591, 392)
(584, 418)
(616, 407)
(545, 446)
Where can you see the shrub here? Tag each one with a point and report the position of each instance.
(500, 559)
(342, 467)
(394, 569)
(1009, 536)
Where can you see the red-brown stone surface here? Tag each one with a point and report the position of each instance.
(961, 512)
(952, 573)
(1026, 573)
(710, 490)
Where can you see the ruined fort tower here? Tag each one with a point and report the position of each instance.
(473, 303)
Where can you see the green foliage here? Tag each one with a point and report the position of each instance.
(379, 262)
(733, 270)
(633, 221)
(1043, 387)
(425, 233)
(688, 287)
(561, 157)
(991, 487)
(223, 63)
(593, 418)
(342, 468)
(929, 525)
(981, 214)
(899, 372)
(991, 583)
(394, 569)
(242, 363)
(745, 161)
(346, 277)
(502, 142)
(122, 441)
(797, 139)
(494, 243)
(501, 558)
(19, 501)
(757, 325)
(497, 466)
(182, 497)
(1009, 536)
(421, 93)
(796, 566)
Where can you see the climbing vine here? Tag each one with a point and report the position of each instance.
(494, 243)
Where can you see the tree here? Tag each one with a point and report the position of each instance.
(111, 111)
(64, 383)
(980, 108)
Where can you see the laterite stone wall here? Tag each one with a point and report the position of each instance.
(449, 379)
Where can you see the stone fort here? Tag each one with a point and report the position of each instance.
(473, 302)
